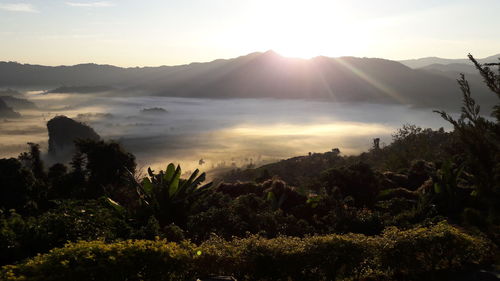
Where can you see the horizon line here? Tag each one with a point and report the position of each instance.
(231, 58)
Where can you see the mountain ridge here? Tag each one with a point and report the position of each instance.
(427, 61)
(256, 75)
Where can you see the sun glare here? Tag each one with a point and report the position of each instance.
(302, 52)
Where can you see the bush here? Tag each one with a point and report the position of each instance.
(395, 255)
(22, 237)
(128, 260)
(421, 251)
(14, 229)
(358, 181)
(247, 214)
(79, 220)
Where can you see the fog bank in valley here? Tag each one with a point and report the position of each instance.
(221, 132)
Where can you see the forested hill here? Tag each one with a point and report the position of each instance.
(257, 75)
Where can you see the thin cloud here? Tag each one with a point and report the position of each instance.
(90, 4)
(18, 7)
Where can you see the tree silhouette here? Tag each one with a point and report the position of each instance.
(107, 165)
(480, 138)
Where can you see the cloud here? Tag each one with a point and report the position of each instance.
(18, 7)
(90, 4)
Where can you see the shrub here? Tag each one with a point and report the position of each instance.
(14, 230)
(395, 255)
(358, 181)
(425, 250)
(22, 237)
(247, 214)
(128, 260)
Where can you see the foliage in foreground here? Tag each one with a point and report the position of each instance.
(409, 254)
(290, 224)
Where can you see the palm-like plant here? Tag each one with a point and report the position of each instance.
(168, 197)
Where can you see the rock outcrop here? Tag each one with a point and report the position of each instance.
(63, 131)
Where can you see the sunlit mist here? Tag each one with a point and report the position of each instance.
(244, 132)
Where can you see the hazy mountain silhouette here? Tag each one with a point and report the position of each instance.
(6, 111)
(18, 103)
(452, 68)
(9, 92)
(80, 89)
(423, 62)
(258, 75)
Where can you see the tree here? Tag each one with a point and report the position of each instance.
(33, 161)
(107, 165)
(16, 186)
(480, 139)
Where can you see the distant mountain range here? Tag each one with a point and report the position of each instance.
(424, 62)
(268, 75)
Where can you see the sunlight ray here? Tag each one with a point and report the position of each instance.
(377, 84)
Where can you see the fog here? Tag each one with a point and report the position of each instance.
(223, 132)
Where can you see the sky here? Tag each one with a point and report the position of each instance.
(166, 32)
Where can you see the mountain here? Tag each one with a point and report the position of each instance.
(18, 103)
(9, 92)
(269, 75)
(258, 75)
(454, 68)
(423, 62)
(80, 89)
(6, 111)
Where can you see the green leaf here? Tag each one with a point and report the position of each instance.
(275, 203)
(192, 177)
(169, 172)
(270, 196)
(174, 183)
(119, 208)
(147, 185)
(198, 181)
(186, 185)
(437, 188)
